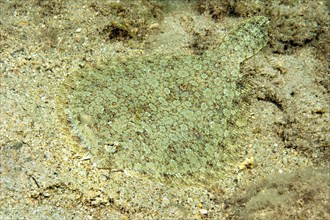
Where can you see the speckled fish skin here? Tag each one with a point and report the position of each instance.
(164, 115)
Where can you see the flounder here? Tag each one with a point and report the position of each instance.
(164, 115)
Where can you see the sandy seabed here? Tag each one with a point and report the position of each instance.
(47, 173)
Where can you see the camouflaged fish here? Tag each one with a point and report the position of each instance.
(164, 115)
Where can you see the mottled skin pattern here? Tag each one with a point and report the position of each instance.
(164, 115)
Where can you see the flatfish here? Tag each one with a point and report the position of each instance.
(164, 115)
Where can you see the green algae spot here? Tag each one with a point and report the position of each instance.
(165, 116)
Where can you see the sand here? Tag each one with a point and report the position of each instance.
(47, 173)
